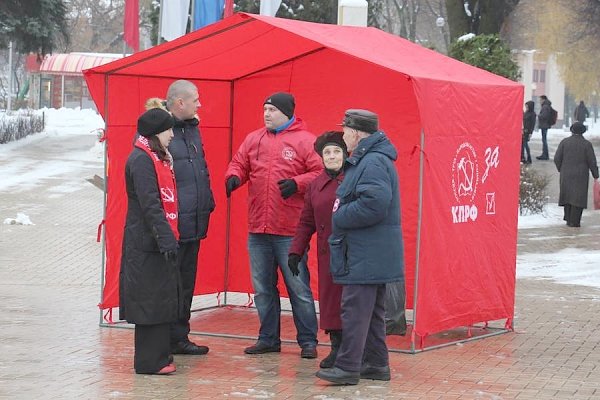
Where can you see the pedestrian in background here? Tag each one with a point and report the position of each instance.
(581, 112)
(148, 280)
(528, 126)
(366, 249)
(544, 123)
(316, 217)
(278, 161)
(575, 159)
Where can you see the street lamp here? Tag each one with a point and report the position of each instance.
(440, 22)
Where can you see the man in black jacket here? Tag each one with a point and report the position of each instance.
(196, 201)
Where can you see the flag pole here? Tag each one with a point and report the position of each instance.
(158, 40)
(193, 15)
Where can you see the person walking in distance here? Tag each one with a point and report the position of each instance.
(574, 160)
(544, 123)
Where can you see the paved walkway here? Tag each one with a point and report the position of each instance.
(51, 346)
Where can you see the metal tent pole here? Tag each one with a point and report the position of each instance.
(418, 247)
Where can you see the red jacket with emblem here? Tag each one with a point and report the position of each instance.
(263, 159)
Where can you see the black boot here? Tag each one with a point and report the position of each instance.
(335, 336)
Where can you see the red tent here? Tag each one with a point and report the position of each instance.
(457, 129)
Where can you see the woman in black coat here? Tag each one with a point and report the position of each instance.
(149, 281)
(575, 159)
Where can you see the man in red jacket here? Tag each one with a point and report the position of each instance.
(278, 162)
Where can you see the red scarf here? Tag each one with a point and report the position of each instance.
(166, 184)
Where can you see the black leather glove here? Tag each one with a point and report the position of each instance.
(171, 256)
(287, 187)
(293, 261)
(233, 182)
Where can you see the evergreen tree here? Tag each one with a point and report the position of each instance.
(488, 52)
(34, 25)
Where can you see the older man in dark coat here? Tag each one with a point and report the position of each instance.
(366, 249)
(574, 158)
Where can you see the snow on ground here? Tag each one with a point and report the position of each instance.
(25, 173)
(572, 266)
(569, 266)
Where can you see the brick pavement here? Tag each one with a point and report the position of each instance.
(51, 346)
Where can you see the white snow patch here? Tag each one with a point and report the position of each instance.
(569, 266)
(466, 37)
(21, 219)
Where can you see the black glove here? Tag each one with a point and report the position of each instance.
(233, 182)
(293, 261)
(171, 256)
(287, 187)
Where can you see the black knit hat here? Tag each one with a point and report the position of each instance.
(361, 120)
(283, 101)
(578, 128)
(153, 122)
(330, 138)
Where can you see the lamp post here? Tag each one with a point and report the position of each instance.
(440, 22)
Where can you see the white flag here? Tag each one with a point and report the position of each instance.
(269, 7)
(174, 18)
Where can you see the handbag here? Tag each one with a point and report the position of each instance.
(596, 189)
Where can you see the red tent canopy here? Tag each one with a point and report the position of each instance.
(457, 129)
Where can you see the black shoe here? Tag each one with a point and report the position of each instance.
(542, 157)
(376, 373)
(339, 376)
(309, 351)
(260, 348)
(170, 358)
(189, 348)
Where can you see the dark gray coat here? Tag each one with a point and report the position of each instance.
(545, 115)
(148, 285)
(196, 200)
(575, 159)
(366, 241)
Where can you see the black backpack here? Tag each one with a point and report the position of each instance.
(553, 116)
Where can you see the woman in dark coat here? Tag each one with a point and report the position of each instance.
(148, 281)
(528, 126)
(574, 158)
(316, 217)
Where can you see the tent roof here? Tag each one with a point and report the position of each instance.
(74, 63)
(241, 45)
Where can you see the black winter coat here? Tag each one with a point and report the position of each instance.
(148, 285)
(528, 120)
(196, 200)
(575, 159)
(545, 115)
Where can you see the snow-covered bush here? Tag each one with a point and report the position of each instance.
(532, 193)
(17, 125)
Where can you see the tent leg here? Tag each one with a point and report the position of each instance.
(418, 247)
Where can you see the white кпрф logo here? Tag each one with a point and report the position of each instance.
(465, 177)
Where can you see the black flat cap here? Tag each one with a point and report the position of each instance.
(361, 120)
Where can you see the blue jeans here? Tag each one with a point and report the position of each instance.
(267, 252)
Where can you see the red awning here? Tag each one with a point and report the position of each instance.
(73, 63)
